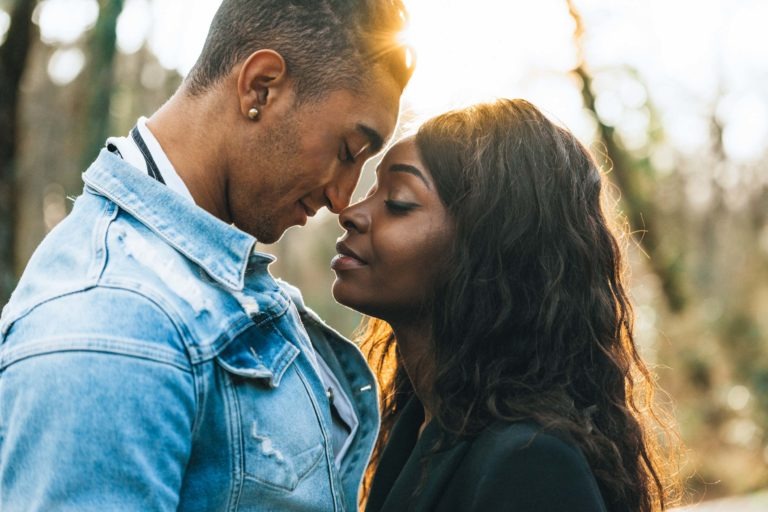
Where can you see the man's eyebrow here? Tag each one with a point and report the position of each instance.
(410, 170)
(375, 138)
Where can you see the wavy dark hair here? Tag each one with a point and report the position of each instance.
(533, 321)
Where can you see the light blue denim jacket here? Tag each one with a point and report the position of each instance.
(150, 362)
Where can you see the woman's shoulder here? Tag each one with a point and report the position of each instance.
(532, 467)
(503, 436)
(509, 447)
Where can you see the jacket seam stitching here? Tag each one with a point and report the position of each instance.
(99, 243)
(118, 347)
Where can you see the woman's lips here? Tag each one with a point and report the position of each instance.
(346, 259)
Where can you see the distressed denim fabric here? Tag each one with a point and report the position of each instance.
(150, 362)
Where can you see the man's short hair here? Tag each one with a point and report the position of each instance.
(327, 44)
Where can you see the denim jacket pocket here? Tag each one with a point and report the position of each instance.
(268, 465)
(272, 405)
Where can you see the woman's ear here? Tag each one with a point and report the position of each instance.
(262, 82)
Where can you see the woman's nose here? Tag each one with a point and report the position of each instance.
(355, 217)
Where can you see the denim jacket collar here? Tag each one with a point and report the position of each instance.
(222, 250)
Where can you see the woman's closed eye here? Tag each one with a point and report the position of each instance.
(400, 207)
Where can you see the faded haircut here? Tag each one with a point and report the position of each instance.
(327, 45)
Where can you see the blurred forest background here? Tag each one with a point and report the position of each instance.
(671, 95)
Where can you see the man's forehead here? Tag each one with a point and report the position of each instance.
(383, 108)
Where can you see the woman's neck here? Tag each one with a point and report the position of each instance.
(415, 346)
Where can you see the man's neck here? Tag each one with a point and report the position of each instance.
(188, 131)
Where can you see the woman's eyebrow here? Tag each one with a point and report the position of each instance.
(410, 170)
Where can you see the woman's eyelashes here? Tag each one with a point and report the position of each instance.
(399, 207)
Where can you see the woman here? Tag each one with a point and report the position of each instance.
(501, 327)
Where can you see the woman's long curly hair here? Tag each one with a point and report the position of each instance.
(532, 319)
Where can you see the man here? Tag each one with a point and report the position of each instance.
(149, 361)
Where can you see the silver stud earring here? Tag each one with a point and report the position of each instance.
(253, 114)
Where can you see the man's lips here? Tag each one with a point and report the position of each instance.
(346, 258)
(307, 209)
(305, 212)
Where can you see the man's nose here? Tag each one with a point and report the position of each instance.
(338, 193)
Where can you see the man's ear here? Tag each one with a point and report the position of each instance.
(262, 80)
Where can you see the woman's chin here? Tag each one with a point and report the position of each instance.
(345, 295)
(342, 295)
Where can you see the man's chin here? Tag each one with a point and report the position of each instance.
(268, 239)
(264, 232)
(269, 236)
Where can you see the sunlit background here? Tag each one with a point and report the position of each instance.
(687, 52)
(681, 84)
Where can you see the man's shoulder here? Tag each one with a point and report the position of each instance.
(69, 259)
(95, 251)
(103, 275)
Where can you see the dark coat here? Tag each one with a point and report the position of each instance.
(508, 467)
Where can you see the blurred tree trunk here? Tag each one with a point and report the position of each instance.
(640, 212)
(13, 59)
(102, 49)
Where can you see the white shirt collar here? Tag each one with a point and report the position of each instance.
(131, 154)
